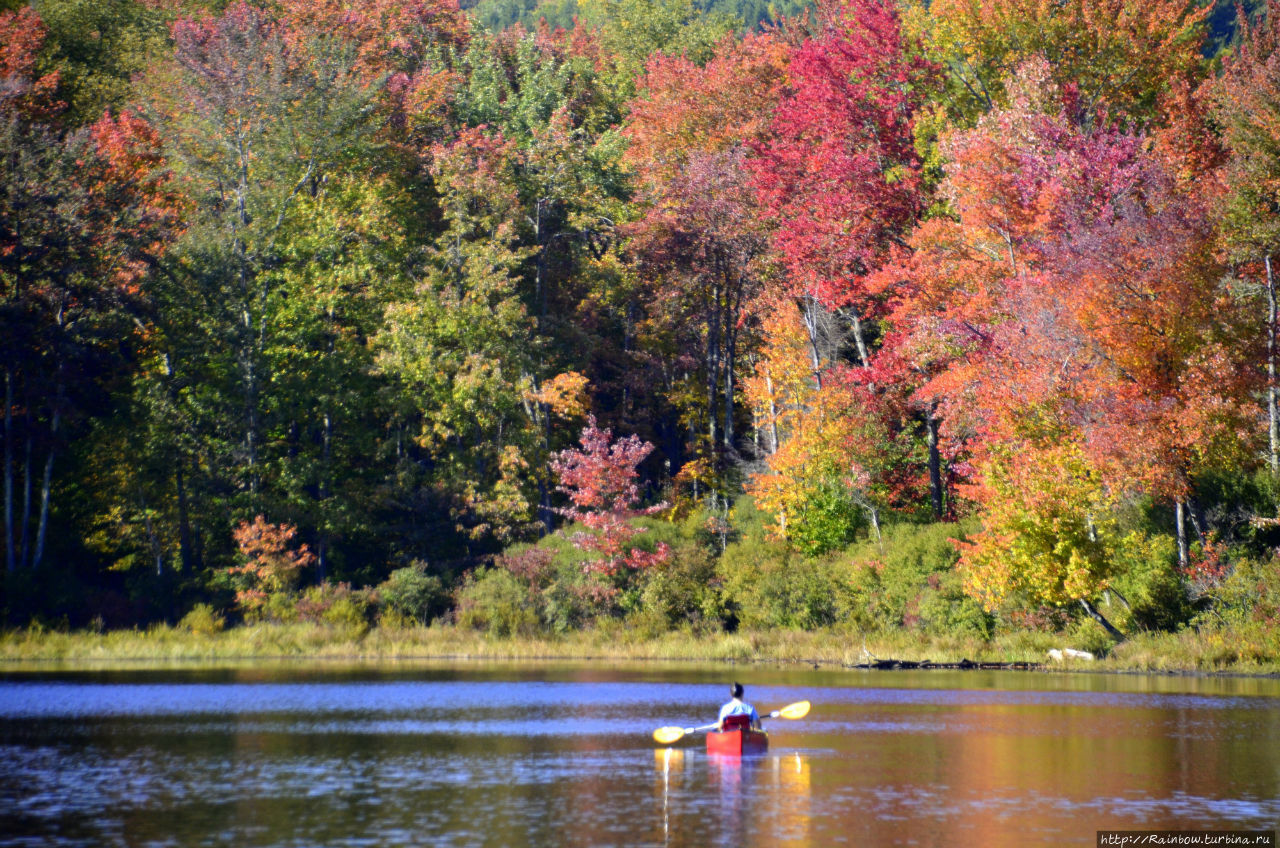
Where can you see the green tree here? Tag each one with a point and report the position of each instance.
(261, 378)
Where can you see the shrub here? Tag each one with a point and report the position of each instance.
(943, 608)
(336, 605)
(413, 594)
(1089, 635)
(270, 565)
(277, 606)
(1148, 580)
(1249, 595)
(683, 591)
(496, 602)
(203, 620)
(767, 585)
(909, 580)
(828, 521)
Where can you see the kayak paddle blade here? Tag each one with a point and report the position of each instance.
(799, 709)
(667, 735)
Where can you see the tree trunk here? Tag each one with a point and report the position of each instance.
(1179, 518)
(1120, 597)
(935, 460)
(185, 552)
(24, 536)
(1197, 520)
(859, 342)
(45, 486)
(1098, 617)
(10, 563)
(322, 544)
(157, 551)
(809, 311)
(1273, 415)
(713, 368)
(730, 355)
(773, 413)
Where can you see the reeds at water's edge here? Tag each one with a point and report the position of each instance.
(1185, 651)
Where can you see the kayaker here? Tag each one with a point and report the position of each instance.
(737, 706)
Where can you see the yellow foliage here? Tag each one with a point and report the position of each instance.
(1048, 532)
(565, 394)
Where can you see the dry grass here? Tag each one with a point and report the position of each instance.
(1255, 651)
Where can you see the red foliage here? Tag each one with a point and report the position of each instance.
(600, 481)
(271, 565)
(1076, 289)
(405, 43)
(391, 36)
(688, 110)
(130, 174)
(1208, 566)
(22, 34)
(841, 174)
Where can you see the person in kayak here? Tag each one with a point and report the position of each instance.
(737, 706)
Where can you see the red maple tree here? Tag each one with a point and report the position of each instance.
(601, 483)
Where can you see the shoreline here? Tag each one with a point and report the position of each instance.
(1157, 654)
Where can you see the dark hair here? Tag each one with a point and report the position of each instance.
(736, 689)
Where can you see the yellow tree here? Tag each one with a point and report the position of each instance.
(1048, 534)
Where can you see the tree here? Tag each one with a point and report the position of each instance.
(82, 218)
(840, 173)
(1246, 102)
(1120, 56)
(1048, 535)
(256, 389)
(702, 241)
(462, 347)
(96, 50)
(600, 481)
(830, 473)
(1078, 278)
(270, 565)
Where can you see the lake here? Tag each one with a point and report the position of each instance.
(485, 754)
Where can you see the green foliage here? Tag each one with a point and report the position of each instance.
(909, 580)
(1146, 575)
(97, 48)
(1250, 595)
(766, 584)
(498, 603)
(413, 594)
(827, 521)
(1048, 533)
(497, 15)
(632, 30)
(682, 591)
(1088, 635)
(203, 620)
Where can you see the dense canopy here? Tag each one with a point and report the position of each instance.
(324, 294)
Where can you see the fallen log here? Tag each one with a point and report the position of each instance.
(962, 665)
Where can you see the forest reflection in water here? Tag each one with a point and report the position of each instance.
(561, 755)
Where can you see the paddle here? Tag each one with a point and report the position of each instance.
(667, 735)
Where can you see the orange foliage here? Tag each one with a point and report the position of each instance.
(687, 109)
(565, 394)
(22, 34)
(271, 565)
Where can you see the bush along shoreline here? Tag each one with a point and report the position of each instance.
(717, 595)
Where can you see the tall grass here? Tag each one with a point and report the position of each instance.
(1253, 652)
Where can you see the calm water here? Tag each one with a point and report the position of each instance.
(436, 754)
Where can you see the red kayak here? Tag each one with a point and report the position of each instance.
(737, 738)
(737, 742)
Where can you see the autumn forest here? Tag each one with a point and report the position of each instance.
(949, 318)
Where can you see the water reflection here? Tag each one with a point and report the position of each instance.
(463, 758)
(736, 797)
